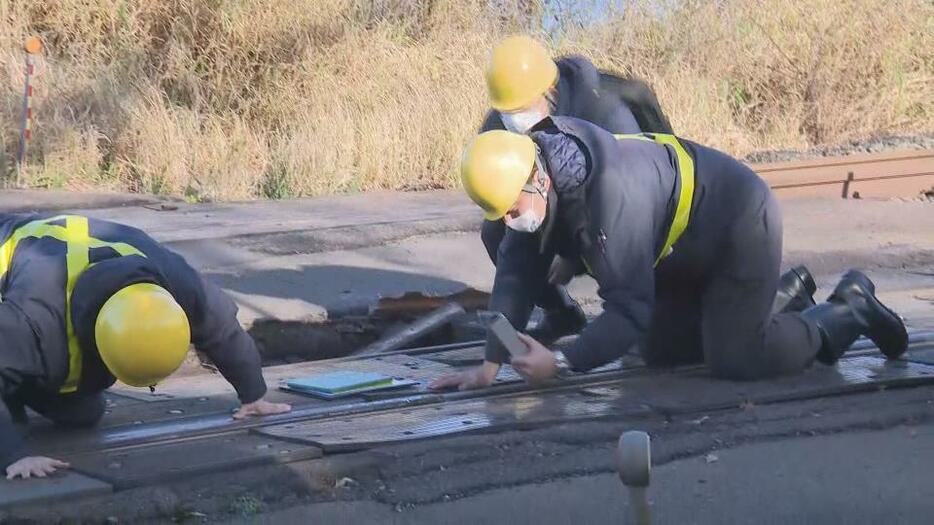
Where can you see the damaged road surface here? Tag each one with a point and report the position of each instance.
(411, 451)
(846, 444)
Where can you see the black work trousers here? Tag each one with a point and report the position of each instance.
(725, 317)
(67, 410)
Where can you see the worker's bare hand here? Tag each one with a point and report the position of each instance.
(261, 408)
(467, 380)
(561, 271)
(538, 364)
(477, 377)
(37, 466)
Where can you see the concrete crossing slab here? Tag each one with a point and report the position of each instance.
(62, 486)
(672, 393)
(137, 466)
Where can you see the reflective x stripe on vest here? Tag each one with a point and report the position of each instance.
(685, 196)
(78, 243)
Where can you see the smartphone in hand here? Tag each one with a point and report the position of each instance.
(506, 335)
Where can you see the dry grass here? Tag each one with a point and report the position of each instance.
(240, 99)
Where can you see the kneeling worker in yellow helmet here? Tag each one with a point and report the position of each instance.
(684, 242)
(84, 303)
(525, 86)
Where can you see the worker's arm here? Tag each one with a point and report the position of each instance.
(521, 273)
(219, 335)
(211, 314)
(622, 260)
(12, 445)
(15, 458)
(19, 355)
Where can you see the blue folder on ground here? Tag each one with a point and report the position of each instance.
(342, 383)
(337, 382)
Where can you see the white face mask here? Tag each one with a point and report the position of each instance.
(522, 121)
(528, 222)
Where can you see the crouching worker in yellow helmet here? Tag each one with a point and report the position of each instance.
(685, 244)
(84, 303)
(525, 86)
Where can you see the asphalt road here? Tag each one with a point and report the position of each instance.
(861, 477)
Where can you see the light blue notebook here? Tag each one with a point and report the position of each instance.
(337, 382)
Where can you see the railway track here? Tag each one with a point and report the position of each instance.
(141, 455)
(882, 175)
(215, 424)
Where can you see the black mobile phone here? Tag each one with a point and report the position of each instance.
(503, 331)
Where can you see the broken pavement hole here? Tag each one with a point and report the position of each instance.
(287, 342)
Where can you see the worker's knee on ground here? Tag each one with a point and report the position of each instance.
(79, 412)
(744, 364)
(734, 371)
(669, 359)
(753, 366)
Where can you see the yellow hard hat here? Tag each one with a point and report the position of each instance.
(520, 71)
(494, 168)
(142, 334)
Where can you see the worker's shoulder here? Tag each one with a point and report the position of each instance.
(115, 231)
(641, 157)
(574, 63)
(626, 87)
(10, 222)
(577, 74)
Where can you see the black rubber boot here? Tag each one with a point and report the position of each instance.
(796, 289)
(851, 311)
(566, 319)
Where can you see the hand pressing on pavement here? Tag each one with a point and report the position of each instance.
(478, 377)
(34, 466)
(538, 364)
(261, 408)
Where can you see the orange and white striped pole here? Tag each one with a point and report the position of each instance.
(32, 46)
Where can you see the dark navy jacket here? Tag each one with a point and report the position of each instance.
(618, 105)
(33, 341)
(611, 206)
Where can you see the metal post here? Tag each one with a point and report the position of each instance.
(634, 463)
(32, 46)
(846, 185)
